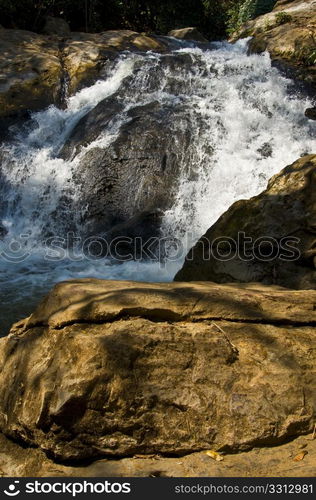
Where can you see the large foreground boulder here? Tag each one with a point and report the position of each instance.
(118, 368)
(270, 238)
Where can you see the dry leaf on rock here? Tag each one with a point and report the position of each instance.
(300, 456)
(213, 454)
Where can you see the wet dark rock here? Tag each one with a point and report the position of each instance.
(137, 238)
(266, 150)
(91, 126)
(311, 113)
(135, 175)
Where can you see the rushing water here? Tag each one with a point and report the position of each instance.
(245, 122)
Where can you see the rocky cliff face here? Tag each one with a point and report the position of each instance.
(37, 68)
(280, 225)
(289, 34)
(118, 368)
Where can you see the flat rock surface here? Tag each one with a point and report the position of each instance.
(107, 368)
(277, 461)
(92, 300)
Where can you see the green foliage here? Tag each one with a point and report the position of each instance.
(244, 10)
(239, 13)
(268, 25)
(311, 59)
(247, 10)
(212, 18)
(282, 18)
(307, 56)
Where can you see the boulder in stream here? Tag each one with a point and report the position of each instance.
(270, 238)
(136, 175)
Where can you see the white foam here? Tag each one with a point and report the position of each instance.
(233, 105)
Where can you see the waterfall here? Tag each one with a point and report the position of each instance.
(245, 122)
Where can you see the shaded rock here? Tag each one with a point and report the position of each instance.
(311, 113)
(188, 34)
(281, 225)
(289, 34)
(118, 368)
(56, 26)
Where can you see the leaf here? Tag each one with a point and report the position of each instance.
(300, 456)
(214, 455)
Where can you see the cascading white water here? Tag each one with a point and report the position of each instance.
(244, 126)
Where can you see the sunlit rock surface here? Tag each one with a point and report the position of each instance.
(289, 34)
(37, 68)
(116, 368)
